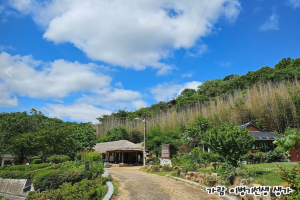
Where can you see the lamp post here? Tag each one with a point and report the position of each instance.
(144, 153)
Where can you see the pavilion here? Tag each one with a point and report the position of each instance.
(121, 151)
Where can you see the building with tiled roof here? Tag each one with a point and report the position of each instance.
(264, 140)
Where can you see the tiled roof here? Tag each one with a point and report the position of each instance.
(117, 145)
(7, 156)
(260, 134)
(264, 135)
(248, 124)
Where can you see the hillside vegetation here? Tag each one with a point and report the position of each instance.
(269, 97)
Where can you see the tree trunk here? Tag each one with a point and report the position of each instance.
(297, 153)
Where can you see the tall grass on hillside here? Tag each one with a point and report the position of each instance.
(271, 106)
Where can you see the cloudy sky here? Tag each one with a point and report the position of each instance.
(77, 60)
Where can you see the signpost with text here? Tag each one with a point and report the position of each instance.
(165, 151)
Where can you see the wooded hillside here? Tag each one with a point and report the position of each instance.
(269, 97)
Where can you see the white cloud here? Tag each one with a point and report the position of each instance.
(164, 92)
(139, 104)
(76, 112)
(257, 9)
(5, 98)
(2, 47)
(197, 51)
(55, 79)
(271, 23)
(119, 84)
(131, 34)
(113, 98)
(190, 85)
(294, 3)
(1, 8)
(224, 64)
(186, 75)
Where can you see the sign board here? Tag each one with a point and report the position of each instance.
(145, 154)
(165, 151)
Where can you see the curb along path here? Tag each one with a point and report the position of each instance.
(110, 191)
(137, 184)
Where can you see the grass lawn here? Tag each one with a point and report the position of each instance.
(267, 173)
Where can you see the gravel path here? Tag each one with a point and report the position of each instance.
(136, 184)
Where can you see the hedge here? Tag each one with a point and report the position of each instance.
(85, 190)
(53, 166)
(14, 174)
(37, 161)
(58, 158)
(52, 179)
(25, 167)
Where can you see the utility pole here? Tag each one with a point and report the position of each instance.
(145, 154)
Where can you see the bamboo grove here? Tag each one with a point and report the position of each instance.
(271, 106)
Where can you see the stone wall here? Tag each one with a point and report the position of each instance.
(13, 186)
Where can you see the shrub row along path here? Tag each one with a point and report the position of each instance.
(136, 184)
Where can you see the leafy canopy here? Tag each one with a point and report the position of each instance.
(289, 141)
(229, 141)
(193, 132)
(117, 133)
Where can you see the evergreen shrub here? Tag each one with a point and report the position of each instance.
(58, 159)
(25, 167)
(85, 189)
(36, 161)
(52, 179)
(89, 156)
(155, 160)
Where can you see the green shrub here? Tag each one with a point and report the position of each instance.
(85, 189)
(166, 168)
(37, 161)
(78, 156)
(52, 179)
(155, 160)
(35, 157)
(58, 158)
(271, 156)
(25, 167)
(96, 168)
(209, 157)
(51, 167)
(189, 167)
(228, 172)
(89, 156)
(13, 174)
(176, 161)
(293, 179)
(2, 197)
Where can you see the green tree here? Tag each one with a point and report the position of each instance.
(156, 137)
(85, 136)
(18, 123)
(194, 132)
(135, 136)
(289, 141)
(117, 133)
(229, 142)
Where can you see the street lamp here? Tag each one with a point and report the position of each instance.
(144, 154)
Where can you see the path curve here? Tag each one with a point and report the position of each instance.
(136, 184)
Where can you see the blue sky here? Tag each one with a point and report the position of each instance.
(77, 60)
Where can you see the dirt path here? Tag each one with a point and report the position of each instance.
(137, 184)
